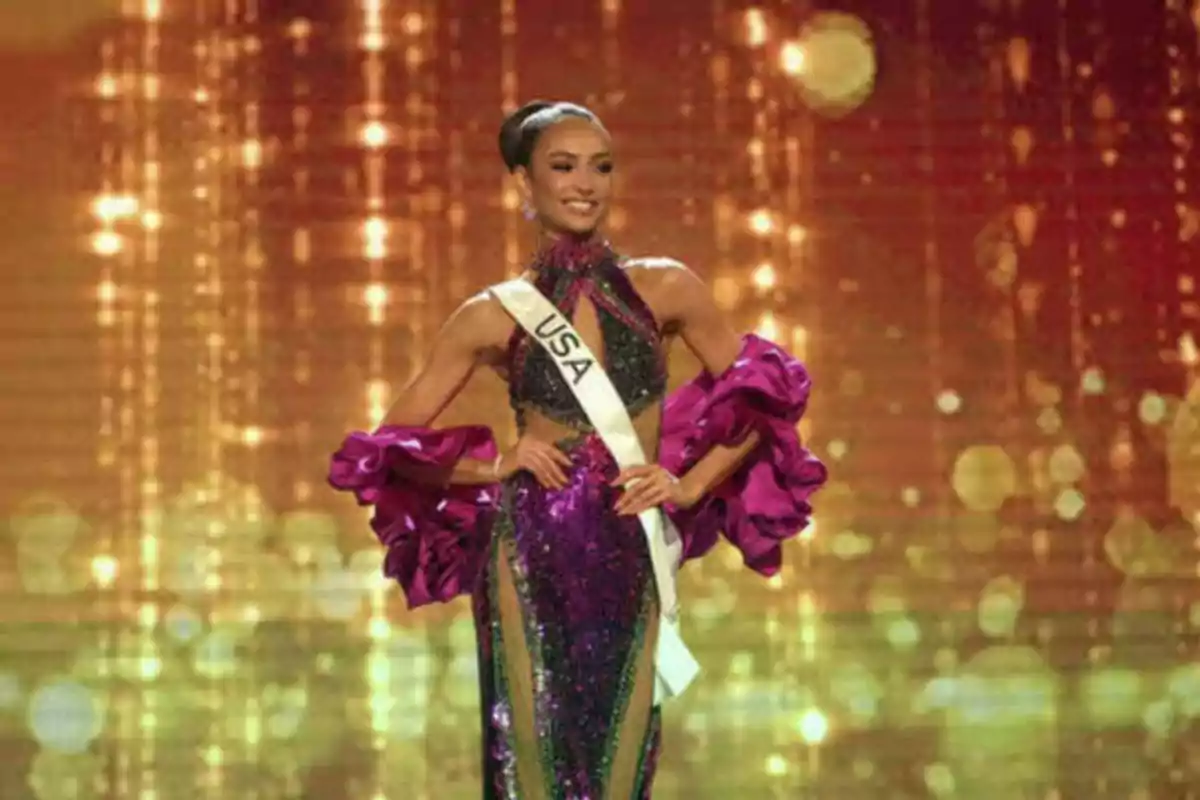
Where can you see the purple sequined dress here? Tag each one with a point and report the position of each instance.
(562, 589)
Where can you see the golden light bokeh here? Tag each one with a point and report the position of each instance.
(833, 61)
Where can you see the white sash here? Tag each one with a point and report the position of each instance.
(674, 665)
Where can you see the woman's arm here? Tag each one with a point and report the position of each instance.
(456, 351)
(706, 331)
(731, 433)
(479, 324)
(434, 532)
(686, 303)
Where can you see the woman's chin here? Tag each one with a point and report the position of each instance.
(575, 227)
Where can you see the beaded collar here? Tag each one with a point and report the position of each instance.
(573, 255)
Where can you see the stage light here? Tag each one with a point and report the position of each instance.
(792, 59)
(107, 243)
(833, 61)
(764, 277)
(374, 134)
(756, 27)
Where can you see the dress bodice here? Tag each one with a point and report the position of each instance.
(632, 343)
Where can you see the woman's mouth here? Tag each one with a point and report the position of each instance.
(586, 207)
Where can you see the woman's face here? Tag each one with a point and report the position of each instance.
(569, 180)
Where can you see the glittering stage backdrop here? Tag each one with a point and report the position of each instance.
(232, 226)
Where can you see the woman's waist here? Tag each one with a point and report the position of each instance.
(578, 435)
(569, 411)
(587, 450)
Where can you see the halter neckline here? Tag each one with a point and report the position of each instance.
(572, 254)
(566, 270)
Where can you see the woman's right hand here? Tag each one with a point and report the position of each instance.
(543, 460)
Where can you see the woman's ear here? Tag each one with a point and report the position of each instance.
(525, 192)
(524, 184)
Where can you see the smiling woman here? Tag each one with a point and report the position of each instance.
(563, 542)
(571, 193)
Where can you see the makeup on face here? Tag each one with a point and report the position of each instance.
(570, 179)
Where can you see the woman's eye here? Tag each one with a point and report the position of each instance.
(561, 167)
(605, 168)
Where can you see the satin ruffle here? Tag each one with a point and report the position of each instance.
(435, 534)
(767, 500)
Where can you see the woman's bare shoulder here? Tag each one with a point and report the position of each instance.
(652, 265)
(656, 278)
(483, 320)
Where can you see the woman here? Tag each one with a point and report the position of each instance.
(546, 536)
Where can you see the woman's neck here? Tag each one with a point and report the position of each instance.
(549, 238)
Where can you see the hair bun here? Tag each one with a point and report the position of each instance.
(510, 131)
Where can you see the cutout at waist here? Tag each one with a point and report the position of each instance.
(572, 432)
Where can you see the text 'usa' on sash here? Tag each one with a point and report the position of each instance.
(562, 343)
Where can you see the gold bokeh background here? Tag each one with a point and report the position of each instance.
(233, 226)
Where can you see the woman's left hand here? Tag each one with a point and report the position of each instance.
(649, 486)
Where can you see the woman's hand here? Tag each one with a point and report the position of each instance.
(649, 486)
(543, 460)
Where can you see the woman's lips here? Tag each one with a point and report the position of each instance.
(586, 207)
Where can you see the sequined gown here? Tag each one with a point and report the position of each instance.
(561, 587)
(567, 605)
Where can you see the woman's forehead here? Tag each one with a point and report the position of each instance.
(575, 136)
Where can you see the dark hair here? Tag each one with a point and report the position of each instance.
(522, 128)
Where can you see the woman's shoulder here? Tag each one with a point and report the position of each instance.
(664, 272)
(657, 266)
(479, 307)
(665, 283)
(651, 275)
(482, 319)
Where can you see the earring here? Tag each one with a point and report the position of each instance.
(527, 211)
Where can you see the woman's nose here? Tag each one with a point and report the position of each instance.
(582, 183)
(580, 179)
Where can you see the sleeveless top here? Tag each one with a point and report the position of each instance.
(632, 357)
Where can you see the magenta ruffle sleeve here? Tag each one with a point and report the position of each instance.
(766, 500)
(435, 535)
